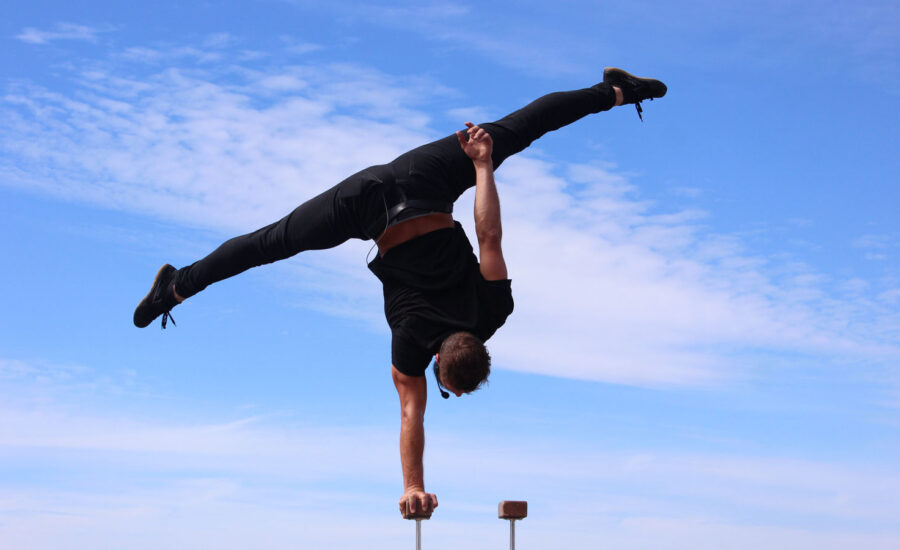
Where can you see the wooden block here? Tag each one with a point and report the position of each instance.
(418, 514)
(513, 509)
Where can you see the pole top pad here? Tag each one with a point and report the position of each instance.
(512, 509)
(416, 514)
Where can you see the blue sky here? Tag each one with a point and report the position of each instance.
(706, 341)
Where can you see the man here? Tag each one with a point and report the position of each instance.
(440, 301)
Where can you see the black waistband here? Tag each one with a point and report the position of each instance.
(399, 207)
(413, 208)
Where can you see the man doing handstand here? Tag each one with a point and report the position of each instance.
(439, 300)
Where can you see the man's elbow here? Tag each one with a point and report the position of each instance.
(490, 237)
(412, 414)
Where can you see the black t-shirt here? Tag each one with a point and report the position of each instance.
(432, 288)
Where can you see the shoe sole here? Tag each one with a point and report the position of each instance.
(148, 297)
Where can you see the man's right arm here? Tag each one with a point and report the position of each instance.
(413, 397)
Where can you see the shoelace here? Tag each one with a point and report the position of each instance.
(640, 110)
(167, 315)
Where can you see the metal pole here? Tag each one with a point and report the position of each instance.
(418, 534)
(512, 510)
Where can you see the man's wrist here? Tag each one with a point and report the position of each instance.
(487, 163)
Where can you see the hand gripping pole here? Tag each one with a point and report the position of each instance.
(512, 510)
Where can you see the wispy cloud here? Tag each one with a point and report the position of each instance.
(160, 55)
(176, 480)
(608, 286)
(876, 246)
(864, 37)
(62, 31)
(637, 297)
(496, 33)
(144, 137)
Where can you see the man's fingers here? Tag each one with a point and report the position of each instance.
(477, 135)
(461, 136)
(409, 506)
(417, 503)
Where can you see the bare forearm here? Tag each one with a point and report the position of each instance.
(413, 398)
(412, 447)
(487, 203)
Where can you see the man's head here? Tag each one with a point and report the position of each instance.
(465, 362)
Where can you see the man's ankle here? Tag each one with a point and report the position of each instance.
(620, 97)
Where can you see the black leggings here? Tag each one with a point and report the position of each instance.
(356, 208)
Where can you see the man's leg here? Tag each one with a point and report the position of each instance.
(311, 226)
(324, 221)
(516, 131)
(443, 166)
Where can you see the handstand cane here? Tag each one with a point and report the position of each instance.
(512, 510)
(418, 515)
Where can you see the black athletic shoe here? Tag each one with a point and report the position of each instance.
(634, 89)
(159, 301)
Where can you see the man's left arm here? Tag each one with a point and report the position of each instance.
(488, 227)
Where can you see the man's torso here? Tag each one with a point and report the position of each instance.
(433, 288)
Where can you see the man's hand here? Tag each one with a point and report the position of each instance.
(479, 146)
(416, 502)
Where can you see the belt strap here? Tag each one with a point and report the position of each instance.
(422, 205)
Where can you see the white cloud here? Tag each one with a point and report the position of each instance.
(300, 48)
(891, 296)
(607, 287)
(157, 55)
(606, 290)
(211, 513)
(218, 40)
(473, 114)
(245, 446)
(196, 151)
(62, 31)
(502, 35)
(176, 483)
(99, 477)
(874, 242)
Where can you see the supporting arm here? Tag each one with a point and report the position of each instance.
(412, 391)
